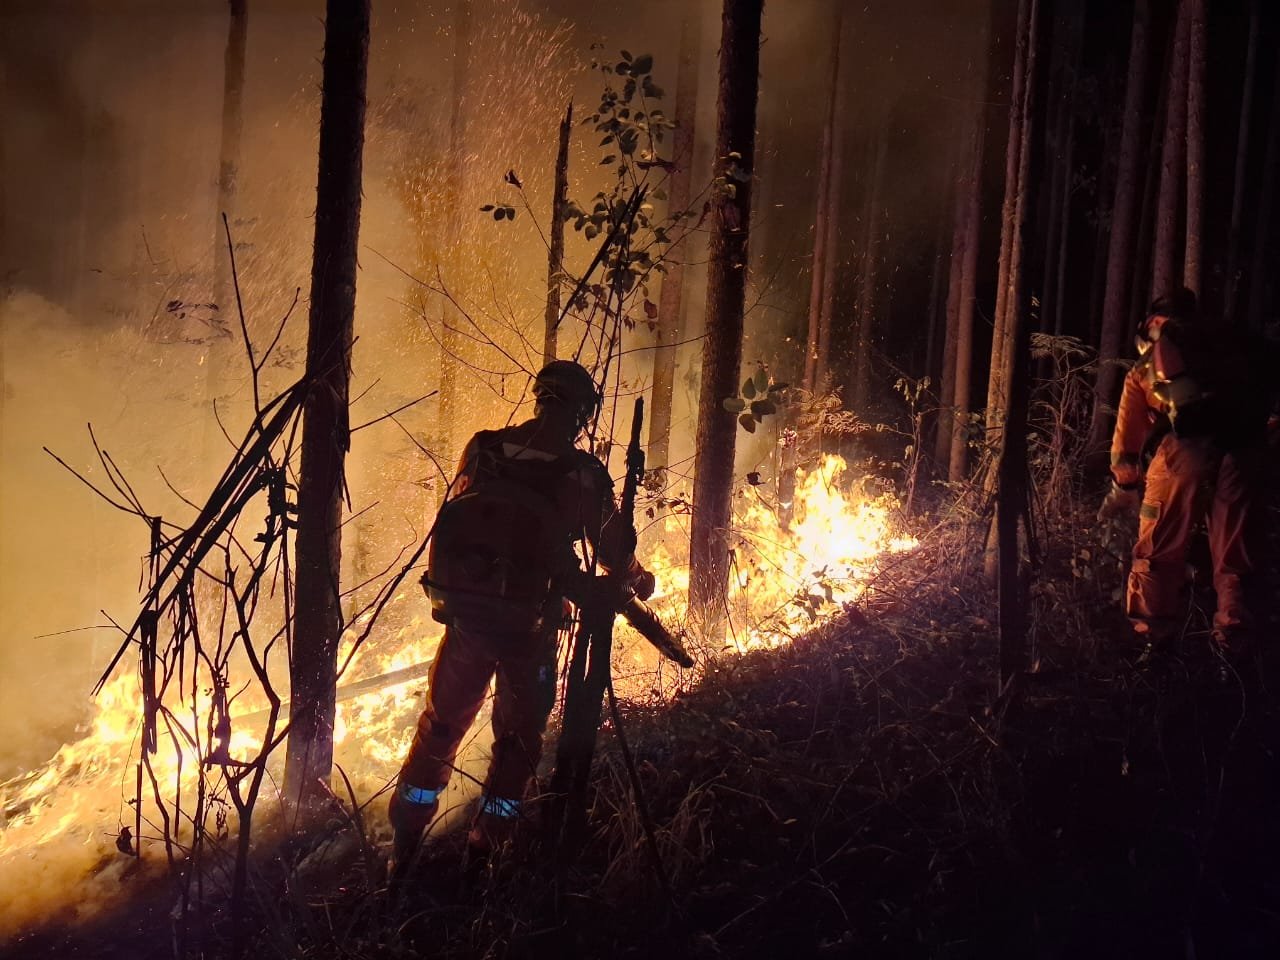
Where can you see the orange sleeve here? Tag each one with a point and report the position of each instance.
(1133, 423)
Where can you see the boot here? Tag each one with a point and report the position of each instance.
(411, 811)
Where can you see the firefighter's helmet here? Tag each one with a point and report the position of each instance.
(570, 384)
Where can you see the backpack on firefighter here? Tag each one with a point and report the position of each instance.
(1208, 380)
(499, 548)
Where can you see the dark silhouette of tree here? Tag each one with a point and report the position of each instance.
(555, 253)
(450, 340)
(1231, 296)
(726, 295)
(1013, 496)
(1196, 42)
(229, 151)
(827, 362)
(678, 188)
(1173, 157)
(1008, 209)
(822, 213)
(317, 614)
(869, 275)
(1258, 274)
(961, 400)
(1120, 264)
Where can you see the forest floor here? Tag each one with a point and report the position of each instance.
(865, 792)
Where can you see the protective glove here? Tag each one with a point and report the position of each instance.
(644, 583)
(1118, 502)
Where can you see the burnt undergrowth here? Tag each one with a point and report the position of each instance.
(866, 792)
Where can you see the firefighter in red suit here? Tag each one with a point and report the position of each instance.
(539, 452)
(1193, 403)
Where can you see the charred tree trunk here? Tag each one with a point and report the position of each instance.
(1008, 208)
(1124, 211)
(555, 253)
(869, 276)
(317, 621)
(1010, 491)
(1164, 264)
(813, 359)
(1232, 280)
(447, 409)
(1258, 274)
(957, 459)
(1192, 269)
(672, 295)
(726, 294)
(229, 153)
(1013, 498)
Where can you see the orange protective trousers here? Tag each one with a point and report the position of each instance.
(1191, 479)
(525, 692)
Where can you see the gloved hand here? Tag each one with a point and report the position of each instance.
(643, 583)
(1118, 502)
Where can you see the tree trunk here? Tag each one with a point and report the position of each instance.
(1003, 364)
(1120, 262)
(451, 344)
(1192, 268)
(1059, 231)
(317, 621)
(555, 255)
(1164, 265)
(930, 364)
(669, 301)
(830, 270)
(229, 154)
(726, 294)
(813, 342)
(1012, 500)
(995, 388)
(947, 392)
(869, 276)
(957, 459)
(1258, 274)
(1231, 294)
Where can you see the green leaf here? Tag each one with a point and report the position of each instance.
(748, 388)
(748, 422)
(592, 231)
(499, 213)
(762, 408)
(486, 208)
(761, 380)
(607, 140)
(734, 404)
(626, 55)
(642, 63)
(608, 159)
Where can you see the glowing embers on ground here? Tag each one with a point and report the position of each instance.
(62, 849)
(785, 578)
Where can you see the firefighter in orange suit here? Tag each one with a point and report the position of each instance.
(1194, 404)
(539, 453)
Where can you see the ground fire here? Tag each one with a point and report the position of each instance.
(702, 478)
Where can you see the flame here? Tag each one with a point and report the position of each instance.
(62, 820)
(785, 578)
